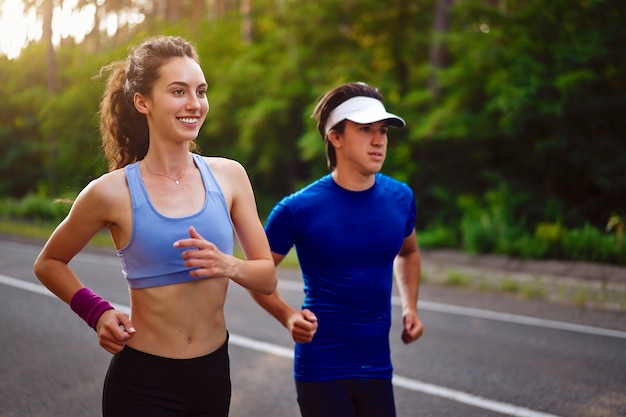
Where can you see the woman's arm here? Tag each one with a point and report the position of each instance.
(256, 272)
(88, 216)
(84, 220)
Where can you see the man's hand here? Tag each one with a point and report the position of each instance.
(412, 327)
(302, 326)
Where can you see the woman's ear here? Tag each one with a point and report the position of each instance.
(140, 103)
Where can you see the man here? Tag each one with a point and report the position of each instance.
(352, 230)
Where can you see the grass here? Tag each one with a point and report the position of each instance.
(581, 296)
(509, 285)
(533, 290)
(30, 230)
(457, 279)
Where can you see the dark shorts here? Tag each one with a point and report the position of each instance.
(140, 384)
(352, 397)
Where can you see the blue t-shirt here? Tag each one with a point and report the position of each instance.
(346, 242)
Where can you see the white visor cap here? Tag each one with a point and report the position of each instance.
(363, 110)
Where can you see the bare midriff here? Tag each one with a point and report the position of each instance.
(179, 321)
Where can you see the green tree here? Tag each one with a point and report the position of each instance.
(542, 85)
(528, 94)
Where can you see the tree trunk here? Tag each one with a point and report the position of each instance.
(197, 9)
(245, 10)
(160, 9)
(217, 9)
(173, 10)
(51, 87)
(439, 52)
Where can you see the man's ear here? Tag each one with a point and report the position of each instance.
(140, 103)
(334, 137)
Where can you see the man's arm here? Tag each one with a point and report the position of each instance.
(407, 270)
(301, 324)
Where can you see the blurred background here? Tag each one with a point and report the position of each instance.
(516, 109)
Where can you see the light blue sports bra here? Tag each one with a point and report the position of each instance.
(150, 259)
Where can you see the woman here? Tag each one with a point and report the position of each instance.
(171, 215)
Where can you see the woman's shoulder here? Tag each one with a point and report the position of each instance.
(220, 161)
(108, 185)
(110, 178)
(227, 166)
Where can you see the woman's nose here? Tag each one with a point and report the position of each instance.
(193, 102)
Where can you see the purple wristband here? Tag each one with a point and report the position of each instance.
(89, 306)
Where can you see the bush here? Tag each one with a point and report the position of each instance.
(9, 207)
(438, 236)
(489, 226)
(549, 238)
(35, 207)
(528, 246)
(589, 244)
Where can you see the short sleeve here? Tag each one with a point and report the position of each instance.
(412, 214)
(279, 228)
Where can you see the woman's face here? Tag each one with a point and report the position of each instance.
(177, 106)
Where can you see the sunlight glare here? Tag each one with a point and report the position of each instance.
(16, 29)
(71, 22)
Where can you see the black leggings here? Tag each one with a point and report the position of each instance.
(351, 397)
(140, 384)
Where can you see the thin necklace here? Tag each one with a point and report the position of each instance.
(175, 179)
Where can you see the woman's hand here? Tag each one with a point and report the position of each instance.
(114, 330)
(204, 256)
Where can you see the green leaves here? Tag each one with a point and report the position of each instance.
(532, 94)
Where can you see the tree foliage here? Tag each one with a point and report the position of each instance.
(533, 95)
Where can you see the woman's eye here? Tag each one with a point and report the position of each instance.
(201, 93)
(178, 92)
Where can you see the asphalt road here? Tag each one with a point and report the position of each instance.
(481, 354)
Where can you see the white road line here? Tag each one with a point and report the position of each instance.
(515, 318)
(399, 381)
(25, 285)
(465, 398)
(489, 315)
